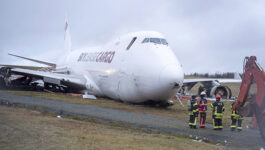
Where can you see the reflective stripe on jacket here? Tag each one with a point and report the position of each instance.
(194, 107)
(235, 114)
(218, 109)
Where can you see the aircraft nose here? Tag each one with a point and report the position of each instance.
(171, 77)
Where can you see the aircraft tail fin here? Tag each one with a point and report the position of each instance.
(67, 37)
(34, 60)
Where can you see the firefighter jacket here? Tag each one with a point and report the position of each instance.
(218, 109)
(194, 107)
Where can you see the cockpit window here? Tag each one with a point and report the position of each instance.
(131, 43)
(164, 41)
(146, 40)
(155, 40)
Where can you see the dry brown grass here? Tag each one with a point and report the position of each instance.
(172, 111)
(175, 111)
(27, 129)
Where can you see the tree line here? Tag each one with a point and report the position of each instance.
(215, 75)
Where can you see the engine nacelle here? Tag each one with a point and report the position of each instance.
(224, 91)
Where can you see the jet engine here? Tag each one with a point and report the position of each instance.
(211, 91)
(212, 87)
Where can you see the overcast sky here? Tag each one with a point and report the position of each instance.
(206, 35)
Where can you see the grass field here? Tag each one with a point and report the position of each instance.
(27, 129)
(175, 111)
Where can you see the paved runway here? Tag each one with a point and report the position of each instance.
(248, 137)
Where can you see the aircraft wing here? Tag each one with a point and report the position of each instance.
(22, 67)
(72, 81)
(236, 79)
(209, 82)
(218, 80)
(48, 77)
(212, 85)
(77, 82)
(34, 60)
(198, 80)
(189, 83)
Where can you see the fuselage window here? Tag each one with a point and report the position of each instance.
(131, 43)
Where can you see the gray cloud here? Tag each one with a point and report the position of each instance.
(206, 36)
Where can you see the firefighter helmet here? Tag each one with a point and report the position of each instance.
(218, 96)
(203, 93)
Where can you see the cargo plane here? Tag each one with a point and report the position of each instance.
(136, 68)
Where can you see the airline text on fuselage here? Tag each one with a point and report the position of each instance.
(104, 57)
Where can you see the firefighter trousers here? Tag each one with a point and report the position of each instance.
(217, 123)
(193, 121)
(202, 119)
(237, 120)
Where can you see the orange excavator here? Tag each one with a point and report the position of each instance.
(255, 106)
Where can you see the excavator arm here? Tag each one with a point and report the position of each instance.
(253, 72)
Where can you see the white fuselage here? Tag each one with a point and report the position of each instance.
(145, 71)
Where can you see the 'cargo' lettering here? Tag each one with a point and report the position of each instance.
(104, 57)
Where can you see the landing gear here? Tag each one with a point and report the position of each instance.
(163, 104)
(4, 73)
(2, 83)
(166, 104)
(56, 88)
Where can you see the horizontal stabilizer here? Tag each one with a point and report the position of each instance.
(34, 60)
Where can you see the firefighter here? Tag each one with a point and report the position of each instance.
(235, 117)
(202, 109)
(193, 112)
(218, 110)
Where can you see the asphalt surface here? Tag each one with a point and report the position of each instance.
(246, 139)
